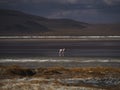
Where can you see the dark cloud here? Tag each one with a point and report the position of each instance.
(82, 10)
(112, 2)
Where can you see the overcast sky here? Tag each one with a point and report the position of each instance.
(92, 11)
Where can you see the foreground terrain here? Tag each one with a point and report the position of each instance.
(59, 78)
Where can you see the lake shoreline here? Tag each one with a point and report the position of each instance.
(59, 38)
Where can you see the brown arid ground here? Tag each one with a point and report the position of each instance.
(59, 78)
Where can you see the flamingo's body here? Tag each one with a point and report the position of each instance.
(61, 52)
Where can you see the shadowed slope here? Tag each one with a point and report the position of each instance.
(19, 23)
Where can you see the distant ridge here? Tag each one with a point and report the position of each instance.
(18, 23)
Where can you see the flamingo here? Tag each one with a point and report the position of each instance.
(61, 52)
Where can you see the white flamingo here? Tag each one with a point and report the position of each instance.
(61, 52)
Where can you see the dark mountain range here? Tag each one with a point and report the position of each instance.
(19, 23)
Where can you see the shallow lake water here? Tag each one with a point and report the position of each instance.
(46, 53)
(51, 48)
